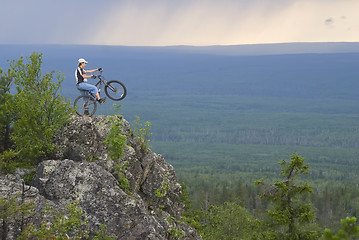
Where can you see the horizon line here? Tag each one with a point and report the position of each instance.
(178, 45)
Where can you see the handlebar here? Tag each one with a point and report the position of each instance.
(98, 76)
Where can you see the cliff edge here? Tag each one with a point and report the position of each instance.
(136, 196)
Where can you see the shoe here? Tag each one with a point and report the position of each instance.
(102, 100)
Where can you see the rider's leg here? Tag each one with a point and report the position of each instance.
(91, 88)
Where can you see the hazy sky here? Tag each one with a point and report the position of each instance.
(178, 22)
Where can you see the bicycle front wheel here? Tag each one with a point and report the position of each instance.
(115, 90)
(85, 105)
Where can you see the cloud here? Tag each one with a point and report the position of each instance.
(190, 22)
(329, 21)
(228, 22)
(185, 22)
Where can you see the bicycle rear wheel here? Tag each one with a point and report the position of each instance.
(115, 90)
(85, 105)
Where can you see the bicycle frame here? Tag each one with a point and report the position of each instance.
(98, 85)
(100, 81)
(114, 89)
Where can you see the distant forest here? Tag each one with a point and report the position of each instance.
(231, 70)
(224, 118)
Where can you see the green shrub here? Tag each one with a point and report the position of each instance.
(8, 163)
(116, 141)
(174, 232)
(120, 170)
(142, 131)
(59, 225)
(349, 230)
(102, 235)
(230, 221)
(11, 209)
(37, 109)
(28, 177)
(163, 189)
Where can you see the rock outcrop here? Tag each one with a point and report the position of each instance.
(82, 171)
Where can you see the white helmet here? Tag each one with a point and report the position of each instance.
(81, 60)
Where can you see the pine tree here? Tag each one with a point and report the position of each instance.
(290, 212)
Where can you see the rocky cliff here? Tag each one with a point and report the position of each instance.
(81, 171)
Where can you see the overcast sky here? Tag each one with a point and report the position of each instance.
(178, 22)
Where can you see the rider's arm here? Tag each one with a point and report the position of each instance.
(86, 76)
(89, 71)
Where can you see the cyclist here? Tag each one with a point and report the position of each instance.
(81, 80)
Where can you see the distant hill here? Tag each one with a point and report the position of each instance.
(273, 49)
(324, 70)
(232, 50)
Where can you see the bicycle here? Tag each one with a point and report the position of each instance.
(86, 104)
